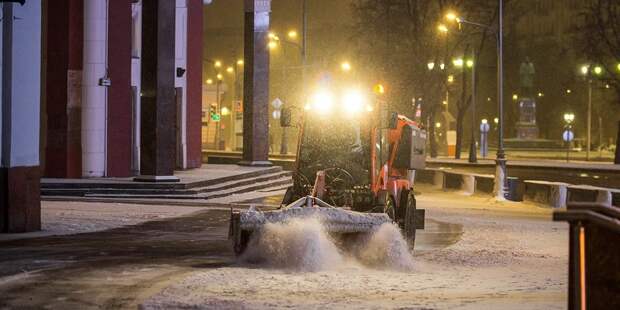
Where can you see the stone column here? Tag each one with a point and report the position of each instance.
(194, 82)
(20, 204)
(94, 88)
(256, 84)
(63, 88)
(158, 106)
(119, 120)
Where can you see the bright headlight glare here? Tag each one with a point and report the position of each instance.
(353, 101)
(322, 102)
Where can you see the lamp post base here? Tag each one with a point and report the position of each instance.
(472, 152)
(499, 188)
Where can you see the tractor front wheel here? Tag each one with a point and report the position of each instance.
(409, 226)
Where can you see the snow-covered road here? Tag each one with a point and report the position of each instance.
(476, 254)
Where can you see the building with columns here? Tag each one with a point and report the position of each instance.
(91, 107)
(74, 100)
(111, 88)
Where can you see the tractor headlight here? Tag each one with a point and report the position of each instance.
(322, 102)
(353, 101)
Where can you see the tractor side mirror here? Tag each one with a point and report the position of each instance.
(285, 117)
(393, 121)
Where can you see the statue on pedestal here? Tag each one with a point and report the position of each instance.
(527, 73)
(526, 126)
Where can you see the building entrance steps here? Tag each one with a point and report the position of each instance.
(207, 182)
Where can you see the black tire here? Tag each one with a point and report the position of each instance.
(409, 220)
(390, 208)
(288, 196)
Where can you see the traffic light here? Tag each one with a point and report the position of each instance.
(285, 117)
(379, 89)
(213, 113)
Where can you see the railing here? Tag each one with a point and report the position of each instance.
(594, 255)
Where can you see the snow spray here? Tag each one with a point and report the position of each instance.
(304, 245)
(296, 244)
(386, 248)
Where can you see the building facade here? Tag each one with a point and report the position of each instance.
(91, 102)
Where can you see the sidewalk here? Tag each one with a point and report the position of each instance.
(546, 163)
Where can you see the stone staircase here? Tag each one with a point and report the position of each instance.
(273, 178)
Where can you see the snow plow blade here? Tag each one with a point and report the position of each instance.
(335, 221)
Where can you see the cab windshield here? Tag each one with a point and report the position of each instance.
(340, 143)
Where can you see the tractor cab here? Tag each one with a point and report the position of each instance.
(355, 151)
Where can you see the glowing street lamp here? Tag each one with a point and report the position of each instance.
(430, 65)
(209, 81)
(568, 135)
(469, 63)
(292, 34)
(451, 16)
(515, 97)
(598, 70)
(345, 66)
(230, 70)
(217, 64)
(240, 62)
(458, 62)
(272, 45)
(220, 77)
(442, 28)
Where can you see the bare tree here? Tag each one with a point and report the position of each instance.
(396, 39)
(600, 38)
(600, 34)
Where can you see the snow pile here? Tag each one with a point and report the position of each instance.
(386, 248)
(304, 245)
(296, 244)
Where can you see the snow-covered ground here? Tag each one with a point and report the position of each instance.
(73, 217)
(492, 256)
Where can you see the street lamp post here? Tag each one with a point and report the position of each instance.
(568, 135)
(218, 106)
(589, 73)
(500, 161)
(472, 146)
(303, 51)
(500, 173)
